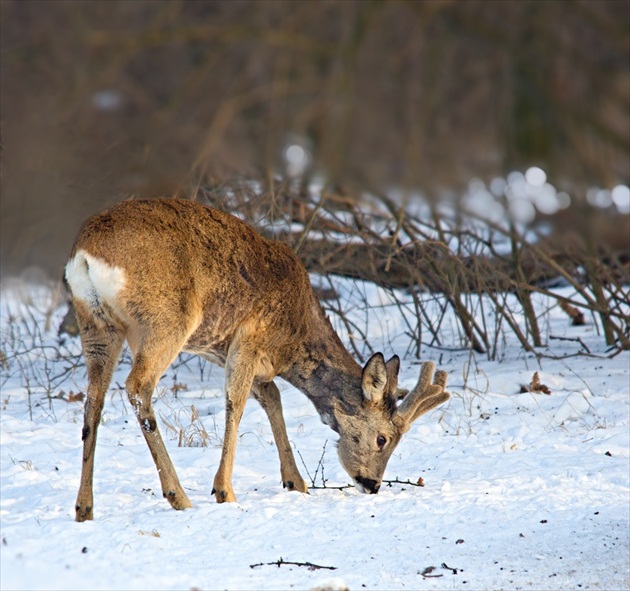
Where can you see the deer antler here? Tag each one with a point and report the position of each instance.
(424, 397)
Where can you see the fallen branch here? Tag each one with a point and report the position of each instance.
(429, 572)
(324, 486)
(281, 561)
(447, 567)
(426, 573)
(571, 339)
(419, 482)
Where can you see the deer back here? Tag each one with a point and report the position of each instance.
(178, 263)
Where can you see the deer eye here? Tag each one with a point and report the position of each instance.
(381, 440)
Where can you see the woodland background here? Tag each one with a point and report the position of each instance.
(248, 105)
(104, 99)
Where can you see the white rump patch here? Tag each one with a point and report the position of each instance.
(93, 280)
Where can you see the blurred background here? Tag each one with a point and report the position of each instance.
(439, 100)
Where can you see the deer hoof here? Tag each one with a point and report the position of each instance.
(224, 496)
(178, 500)
(295, 485)
(83, 513)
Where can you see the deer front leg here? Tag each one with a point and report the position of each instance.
(269, 397)
(240, 368)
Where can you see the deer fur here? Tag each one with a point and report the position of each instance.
(171, 275)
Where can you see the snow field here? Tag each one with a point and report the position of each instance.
(521, 490)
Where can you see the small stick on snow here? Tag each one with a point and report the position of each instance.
(281, 561)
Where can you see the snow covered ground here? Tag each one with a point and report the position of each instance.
(521, 490)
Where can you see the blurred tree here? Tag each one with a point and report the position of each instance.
(110, 97)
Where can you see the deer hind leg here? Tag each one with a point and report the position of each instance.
(269, 397)
(102, 341)
(152, 356)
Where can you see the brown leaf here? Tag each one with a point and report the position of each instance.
(535, 386)
(577, 317)
(75, 397)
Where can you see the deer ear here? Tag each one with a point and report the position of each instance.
(374, 379)
(392, 367)
(380, 378)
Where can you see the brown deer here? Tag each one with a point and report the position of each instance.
(171, 275)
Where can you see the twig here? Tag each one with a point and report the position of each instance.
(309, 223)
(419, 483)
(281, 561)
(572, 339)
(447, 567)
(320, 464)
(426, 573)
(306, 468)
(326, 487)
(389, 483)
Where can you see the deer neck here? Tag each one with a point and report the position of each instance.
(325, 371)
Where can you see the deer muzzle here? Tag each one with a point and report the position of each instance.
(366, 485)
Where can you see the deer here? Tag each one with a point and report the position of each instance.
(168, 275)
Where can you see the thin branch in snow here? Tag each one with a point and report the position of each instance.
(281, 562)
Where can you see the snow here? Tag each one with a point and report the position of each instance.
(522, 490)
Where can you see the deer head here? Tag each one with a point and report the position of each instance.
(368, 437)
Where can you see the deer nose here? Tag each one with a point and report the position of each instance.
(368, 485)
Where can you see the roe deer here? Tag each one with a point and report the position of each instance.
(171, 275)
